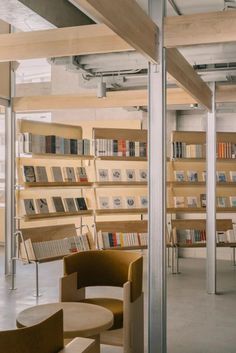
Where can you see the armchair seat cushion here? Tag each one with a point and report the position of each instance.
(112, 304)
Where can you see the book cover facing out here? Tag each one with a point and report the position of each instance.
(81, 203)
(58, 204)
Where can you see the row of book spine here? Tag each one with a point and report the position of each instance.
(60, 247)
(194, 236)
(40, 144)
(191, 236)
(120, 148)
(226, 150)
(183, 150)
(111, 240)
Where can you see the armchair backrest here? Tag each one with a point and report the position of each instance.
(46, 337)
(106, 268)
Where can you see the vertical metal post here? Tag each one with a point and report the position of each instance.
(157, 191)
(211, 197)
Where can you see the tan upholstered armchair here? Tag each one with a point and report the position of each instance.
(45, 337)
(115, 269)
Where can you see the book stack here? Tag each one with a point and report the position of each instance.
(226, 150)
(120, 148)
(40, 144)
(191, 236)
(60, 247)
(111, 240)
(182, 150)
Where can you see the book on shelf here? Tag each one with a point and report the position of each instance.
(81, 174)
(39, 144)
(203, 200)
(204, 176)
(130, 202)
(69, 174)
(232, 201)
(116, 174)
(42, 206)
(143, 201)
(117, 202)
(179, 175)
(111, 240)
(58, 204)
(191, 236)
(179, 201)
(29, 206)
(41, 174)
(103, 175)
(233, 176)
(183, 150)
(29, 174)
(192, 201)
(143, 175)
(192, 176)
(221, 201)
(57, 174)
(226, 150)
(221, 177)
(70, 204)
(120, 148)
(104, 202)
(81, 204)
(130, 175)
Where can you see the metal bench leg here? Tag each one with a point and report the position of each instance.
(168, 257)
(234, 260)
(37, 294)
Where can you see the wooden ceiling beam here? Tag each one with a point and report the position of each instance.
(128, 20)
(205, 28)
(91, 39)
(185, 77)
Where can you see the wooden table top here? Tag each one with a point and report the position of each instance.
(80, 319)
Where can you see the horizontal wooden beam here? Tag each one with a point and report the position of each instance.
(205, 28)
(91, 39)
(226, 93)
(185, 76)
(60, 102)
(175, 96)
(128, 20)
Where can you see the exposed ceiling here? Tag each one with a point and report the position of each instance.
(122, 69)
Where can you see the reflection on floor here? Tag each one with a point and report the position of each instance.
(197, 322)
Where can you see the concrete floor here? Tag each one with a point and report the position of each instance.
(197, 322)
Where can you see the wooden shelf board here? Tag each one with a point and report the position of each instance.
(58, 184)
(200, 160)
(199, 183)
(203, 245)
(57, 156)
(199, 210)
(140, 247)
(121, 211)
(57, 214)
(102, 184)
(123, 158)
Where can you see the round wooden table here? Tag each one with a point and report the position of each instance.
(80, 319)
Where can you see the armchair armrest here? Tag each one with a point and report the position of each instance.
(68, 289)
(79, 345)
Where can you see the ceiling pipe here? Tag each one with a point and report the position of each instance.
(175, 7)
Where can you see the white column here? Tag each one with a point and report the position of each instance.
(211, 197)
(157, 191)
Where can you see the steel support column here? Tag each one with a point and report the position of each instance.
(157, 191)
(211, 197)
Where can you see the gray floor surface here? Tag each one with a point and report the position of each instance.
(197, 322)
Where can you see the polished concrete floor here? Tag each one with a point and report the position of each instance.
(197, 322)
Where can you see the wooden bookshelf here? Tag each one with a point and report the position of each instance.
(59, 156)
(120, 184)
(121, 227)
(199, 210)
(121, 211)
(58, 184)
(38, 216)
